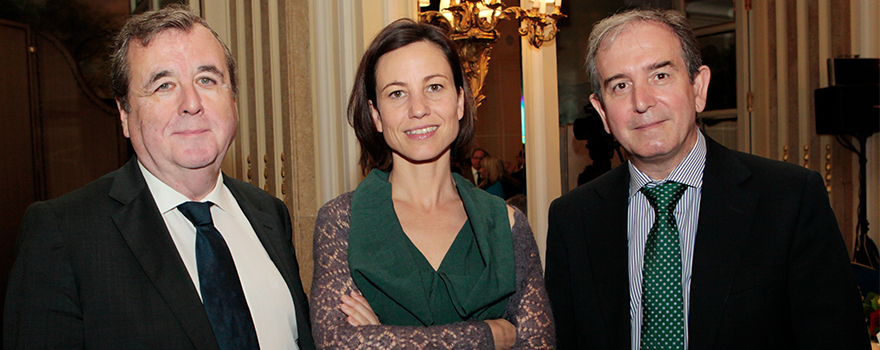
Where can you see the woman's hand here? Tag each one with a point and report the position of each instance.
(503, 332)
(359, 311)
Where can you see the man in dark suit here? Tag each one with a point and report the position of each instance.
(745, 252)
(166, 252)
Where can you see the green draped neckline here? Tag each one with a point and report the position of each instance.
(473, 282)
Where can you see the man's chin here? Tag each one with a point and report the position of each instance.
(199, 164)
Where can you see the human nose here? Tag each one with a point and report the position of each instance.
(643, 98)
(419, 107)
(191, 100)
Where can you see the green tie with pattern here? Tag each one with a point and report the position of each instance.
(662, 301)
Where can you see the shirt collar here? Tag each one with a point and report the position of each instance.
(168, 198)
(688, 172)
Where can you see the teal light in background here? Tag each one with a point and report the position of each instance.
(522, 117)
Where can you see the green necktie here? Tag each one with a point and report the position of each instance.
(662, 301)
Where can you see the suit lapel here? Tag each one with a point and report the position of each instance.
(144, 230)
(607, 245)
(468, 174)
(268, 230)
(726, 213)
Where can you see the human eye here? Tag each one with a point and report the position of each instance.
(661, 77)
(619, 87)
(207, 81)
(164, 86)
(396, 94)
(435, 88)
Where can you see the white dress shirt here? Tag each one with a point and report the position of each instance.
(266, 292)
(640, 218)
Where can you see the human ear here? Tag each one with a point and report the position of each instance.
(377, 118)
(123, 118)
(701, 87)
(460, 104)
(597, 104)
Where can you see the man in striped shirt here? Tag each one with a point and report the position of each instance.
(746, 254)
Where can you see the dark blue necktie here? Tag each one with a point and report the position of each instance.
(218, 280)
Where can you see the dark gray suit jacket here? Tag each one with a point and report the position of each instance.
(97, 269)
(468, 174)
(770, 269)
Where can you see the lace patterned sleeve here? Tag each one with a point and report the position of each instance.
(332, 279)
(529, 309)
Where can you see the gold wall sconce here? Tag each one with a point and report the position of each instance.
(471, 24)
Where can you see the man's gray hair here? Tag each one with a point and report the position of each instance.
(142, 28)
(609, 28)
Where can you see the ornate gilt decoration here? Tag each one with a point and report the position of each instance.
(471, 24)
(828, 168)
(266, 172)
(249, 171)
(806, 156)
(283, 175)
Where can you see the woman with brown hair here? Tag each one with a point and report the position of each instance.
(417, 257)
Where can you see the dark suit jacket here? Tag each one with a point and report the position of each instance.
(770, 269)
(468, 174)
(97, 269)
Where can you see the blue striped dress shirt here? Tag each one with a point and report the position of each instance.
(640, 217)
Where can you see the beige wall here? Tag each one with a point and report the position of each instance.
(791, 42)
(274, 148)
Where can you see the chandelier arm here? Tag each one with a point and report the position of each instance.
(438, 19)
(475, 34)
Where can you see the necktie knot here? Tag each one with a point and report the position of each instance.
(199, 213)
(665, 196)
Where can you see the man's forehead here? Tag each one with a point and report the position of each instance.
(162, 47)
(648, 35)
(640, 28)
(150, 40)
(198, 34)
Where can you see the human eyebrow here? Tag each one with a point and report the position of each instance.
(159, 75)
(210, 69)
(394, 83)
(659, 65)
(432, 76)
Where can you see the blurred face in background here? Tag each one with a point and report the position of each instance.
(477, 158)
